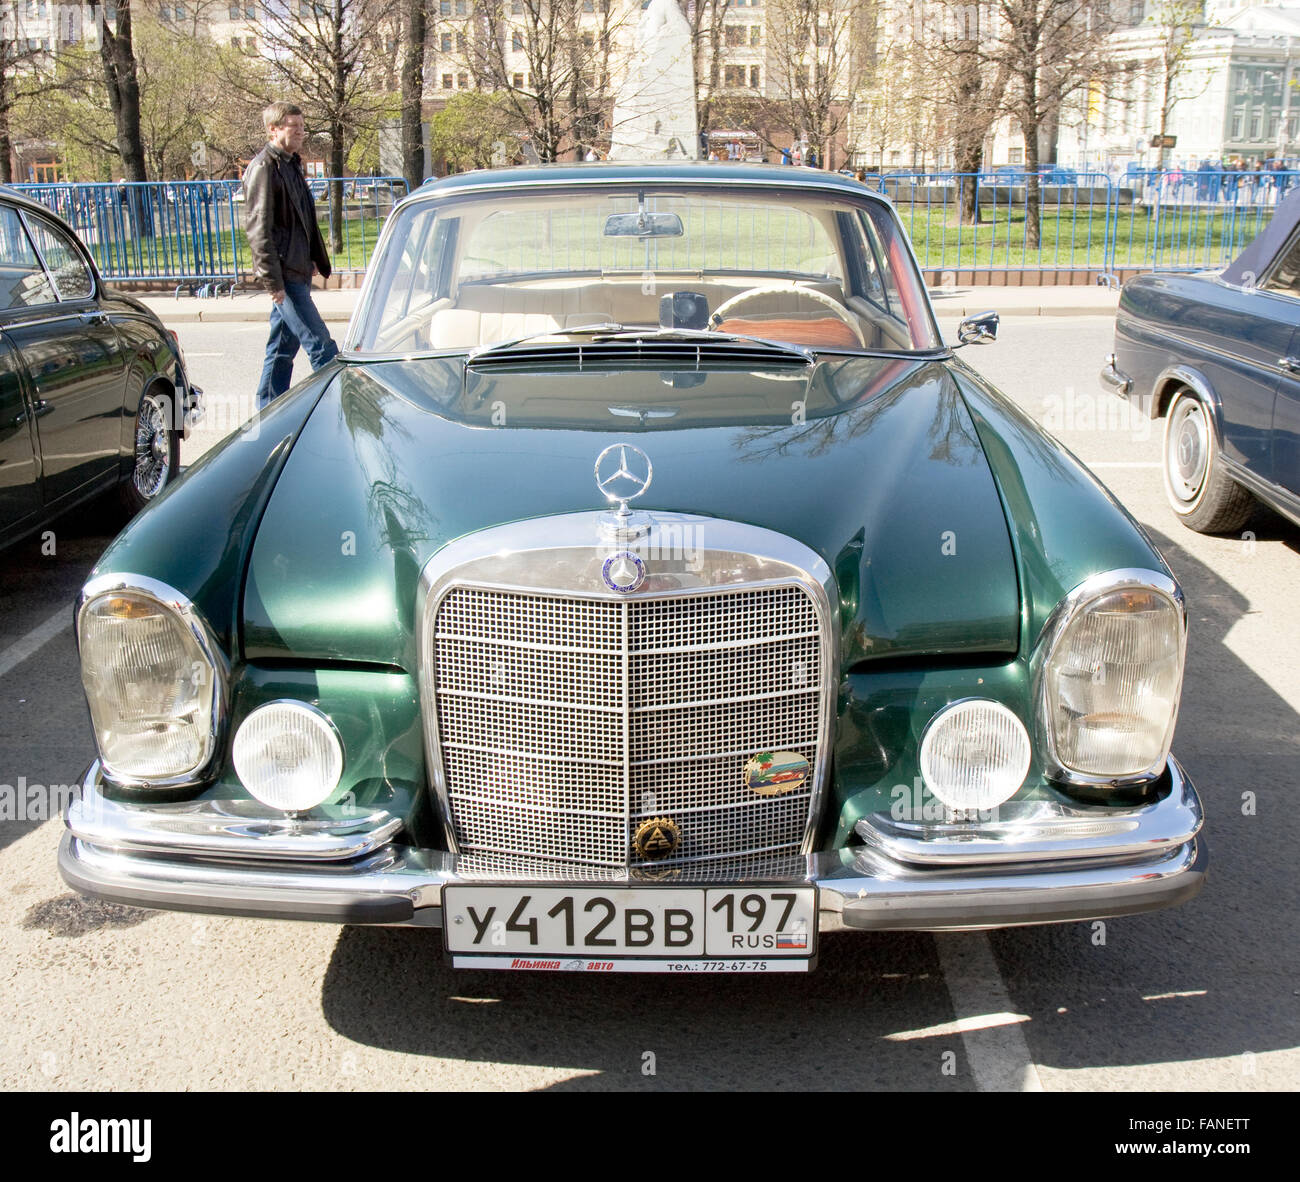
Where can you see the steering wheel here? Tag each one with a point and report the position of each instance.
(720, 312)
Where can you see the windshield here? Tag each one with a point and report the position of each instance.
(820, 270)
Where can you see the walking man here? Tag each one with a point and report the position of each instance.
(286, 245)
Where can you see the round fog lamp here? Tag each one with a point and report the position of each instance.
(288, 755)
(974, 754)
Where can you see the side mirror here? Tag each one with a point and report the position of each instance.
(979, 330)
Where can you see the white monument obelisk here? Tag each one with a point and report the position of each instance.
(654, 110)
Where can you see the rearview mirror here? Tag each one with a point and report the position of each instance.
(643, 225)
(979, 330)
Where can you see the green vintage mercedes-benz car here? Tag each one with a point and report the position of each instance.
(647, 586)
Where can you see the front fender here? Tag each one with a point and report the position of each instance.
(200, 544)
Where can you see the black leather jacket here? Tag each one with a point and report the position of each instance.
(280, 220)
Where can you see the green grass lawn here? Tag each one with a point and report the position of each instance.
(1077, 236)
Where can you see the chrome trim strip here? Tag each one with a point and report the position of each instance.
(1198, 384)
(860, 888)
(537, 646)
(1064, 614)
(529, 557)
(198, 628)
(224, 828)
(1023, 831)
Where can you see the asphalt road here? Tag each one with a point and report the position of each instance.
(1201, 997)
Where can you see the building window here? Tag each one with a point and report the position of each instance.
(733, 76)
(444, 43)
(734, 36)
(460, 42)
(756, 35)
(462, 7)
(446, 82)
(517, 81)
(444, 8)
(234, 43)
(1016, 156)
(589, 40)
(1256, 124)
(753, 77)
(250, 44)
(517, 8)
(462, 81)
(1238, 123)
(588, 5)
(234, 12)
(516, 41)
(250, 12)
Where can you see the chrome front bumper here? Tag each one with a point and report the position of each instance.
(1038, 864)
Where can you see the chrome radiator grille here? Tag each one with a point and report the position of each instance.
(564, 722)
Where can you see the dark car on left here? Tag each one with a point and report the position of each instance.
(93, 391)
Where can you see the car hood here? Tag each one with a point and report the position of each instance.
(874, 463)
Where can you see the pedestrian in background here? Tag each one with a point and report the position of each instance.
(286, 244)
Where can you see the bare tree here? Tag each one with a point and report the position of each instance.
(414, 42)
(816, 57)
(122, 82)
(967, 89)
(706, 20)
(551, 61)
(21, 76)
(1049, 50)
(1175, 23)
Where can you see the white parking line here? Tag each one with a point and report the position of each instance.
(990, 1029)
(20, 650)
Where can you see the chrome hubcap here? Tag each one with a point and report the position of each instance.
(1187, 451)
(152, 448)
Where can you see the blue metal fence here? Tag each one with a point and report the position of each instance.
(1087, 221)
(192, 232)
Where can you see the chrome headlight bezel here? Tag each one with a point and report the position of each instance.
(198, 630)
(1065, 614)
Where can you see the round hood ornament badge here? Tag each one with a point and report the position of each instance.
(623, 571)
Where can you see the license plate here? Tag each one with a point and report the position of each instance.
(631, 929)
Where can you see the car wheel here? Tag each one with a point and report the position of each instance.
(157, 444)
(1199, 491)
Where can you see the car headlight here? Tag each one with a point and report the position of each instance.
(288, 755)
(152, 680)
(1110, 678)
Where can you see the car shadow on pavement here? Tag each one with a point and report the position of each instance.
(1217, 977)
(46, 741)
(392, 988)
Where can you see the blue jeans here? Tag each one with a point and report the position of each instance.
(294, 322)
